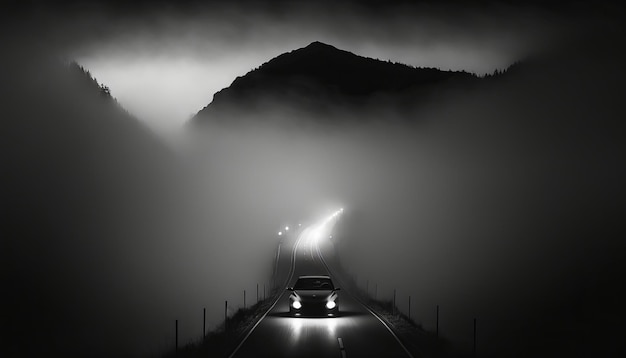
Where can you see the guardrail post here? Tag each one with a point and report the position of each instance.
(225, 316)
(437, 324)
(203, 323)
(257, 293)
(474, 337)
(409, 307)
(244, 299)
(393, 309)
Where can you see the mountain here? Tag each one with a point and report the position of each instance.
(320, 77)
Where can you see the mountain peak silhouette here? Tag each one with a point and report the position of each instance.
(318, 76)
(320, 45)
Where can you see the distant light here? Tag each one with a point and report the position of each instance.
(330, 305)
(280, 233)
(330, 237)
(286, 228)
(299, 224)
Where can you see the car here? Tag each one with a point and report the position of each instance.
(314, 295)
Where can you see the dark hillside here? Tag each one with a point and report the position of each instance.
(320, 77)
(87, 195)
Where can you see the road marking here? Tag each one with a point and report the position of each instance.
(342, 349)
(291, 272)
(319, 253)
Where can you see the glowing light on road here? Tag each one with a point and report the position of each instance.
(313, 326)
(316, 232)
(321, 230)
(280, 233)
(286, 228)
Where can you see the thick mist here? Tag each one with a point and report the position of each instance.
(109, 235)
(500, 202)
(503, 202)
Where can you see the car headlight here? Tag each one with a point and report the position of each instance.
(330, 305)
(296, 304)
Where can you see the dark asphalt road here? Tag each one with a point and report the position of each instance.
(355, 329)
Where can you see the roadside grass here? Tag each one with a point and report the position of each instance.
(223, 340)
(417, 340)
(420, 342)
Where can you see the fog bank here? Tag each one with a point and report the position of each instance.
(501, 203)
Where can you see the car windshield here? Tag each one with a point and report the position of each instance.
(314, 284)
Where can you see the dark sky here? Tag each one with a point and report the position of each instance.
(164, 60)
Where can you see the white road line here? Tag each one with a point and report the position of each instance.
(319, 253)
(341, 347)
(291, 272)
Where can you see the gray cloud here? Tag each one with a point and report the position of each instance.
(164, 63)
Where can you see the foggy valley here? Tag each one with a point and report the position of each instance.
(496, 195)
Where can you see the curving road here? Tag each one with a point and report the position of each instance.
(355, 332)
